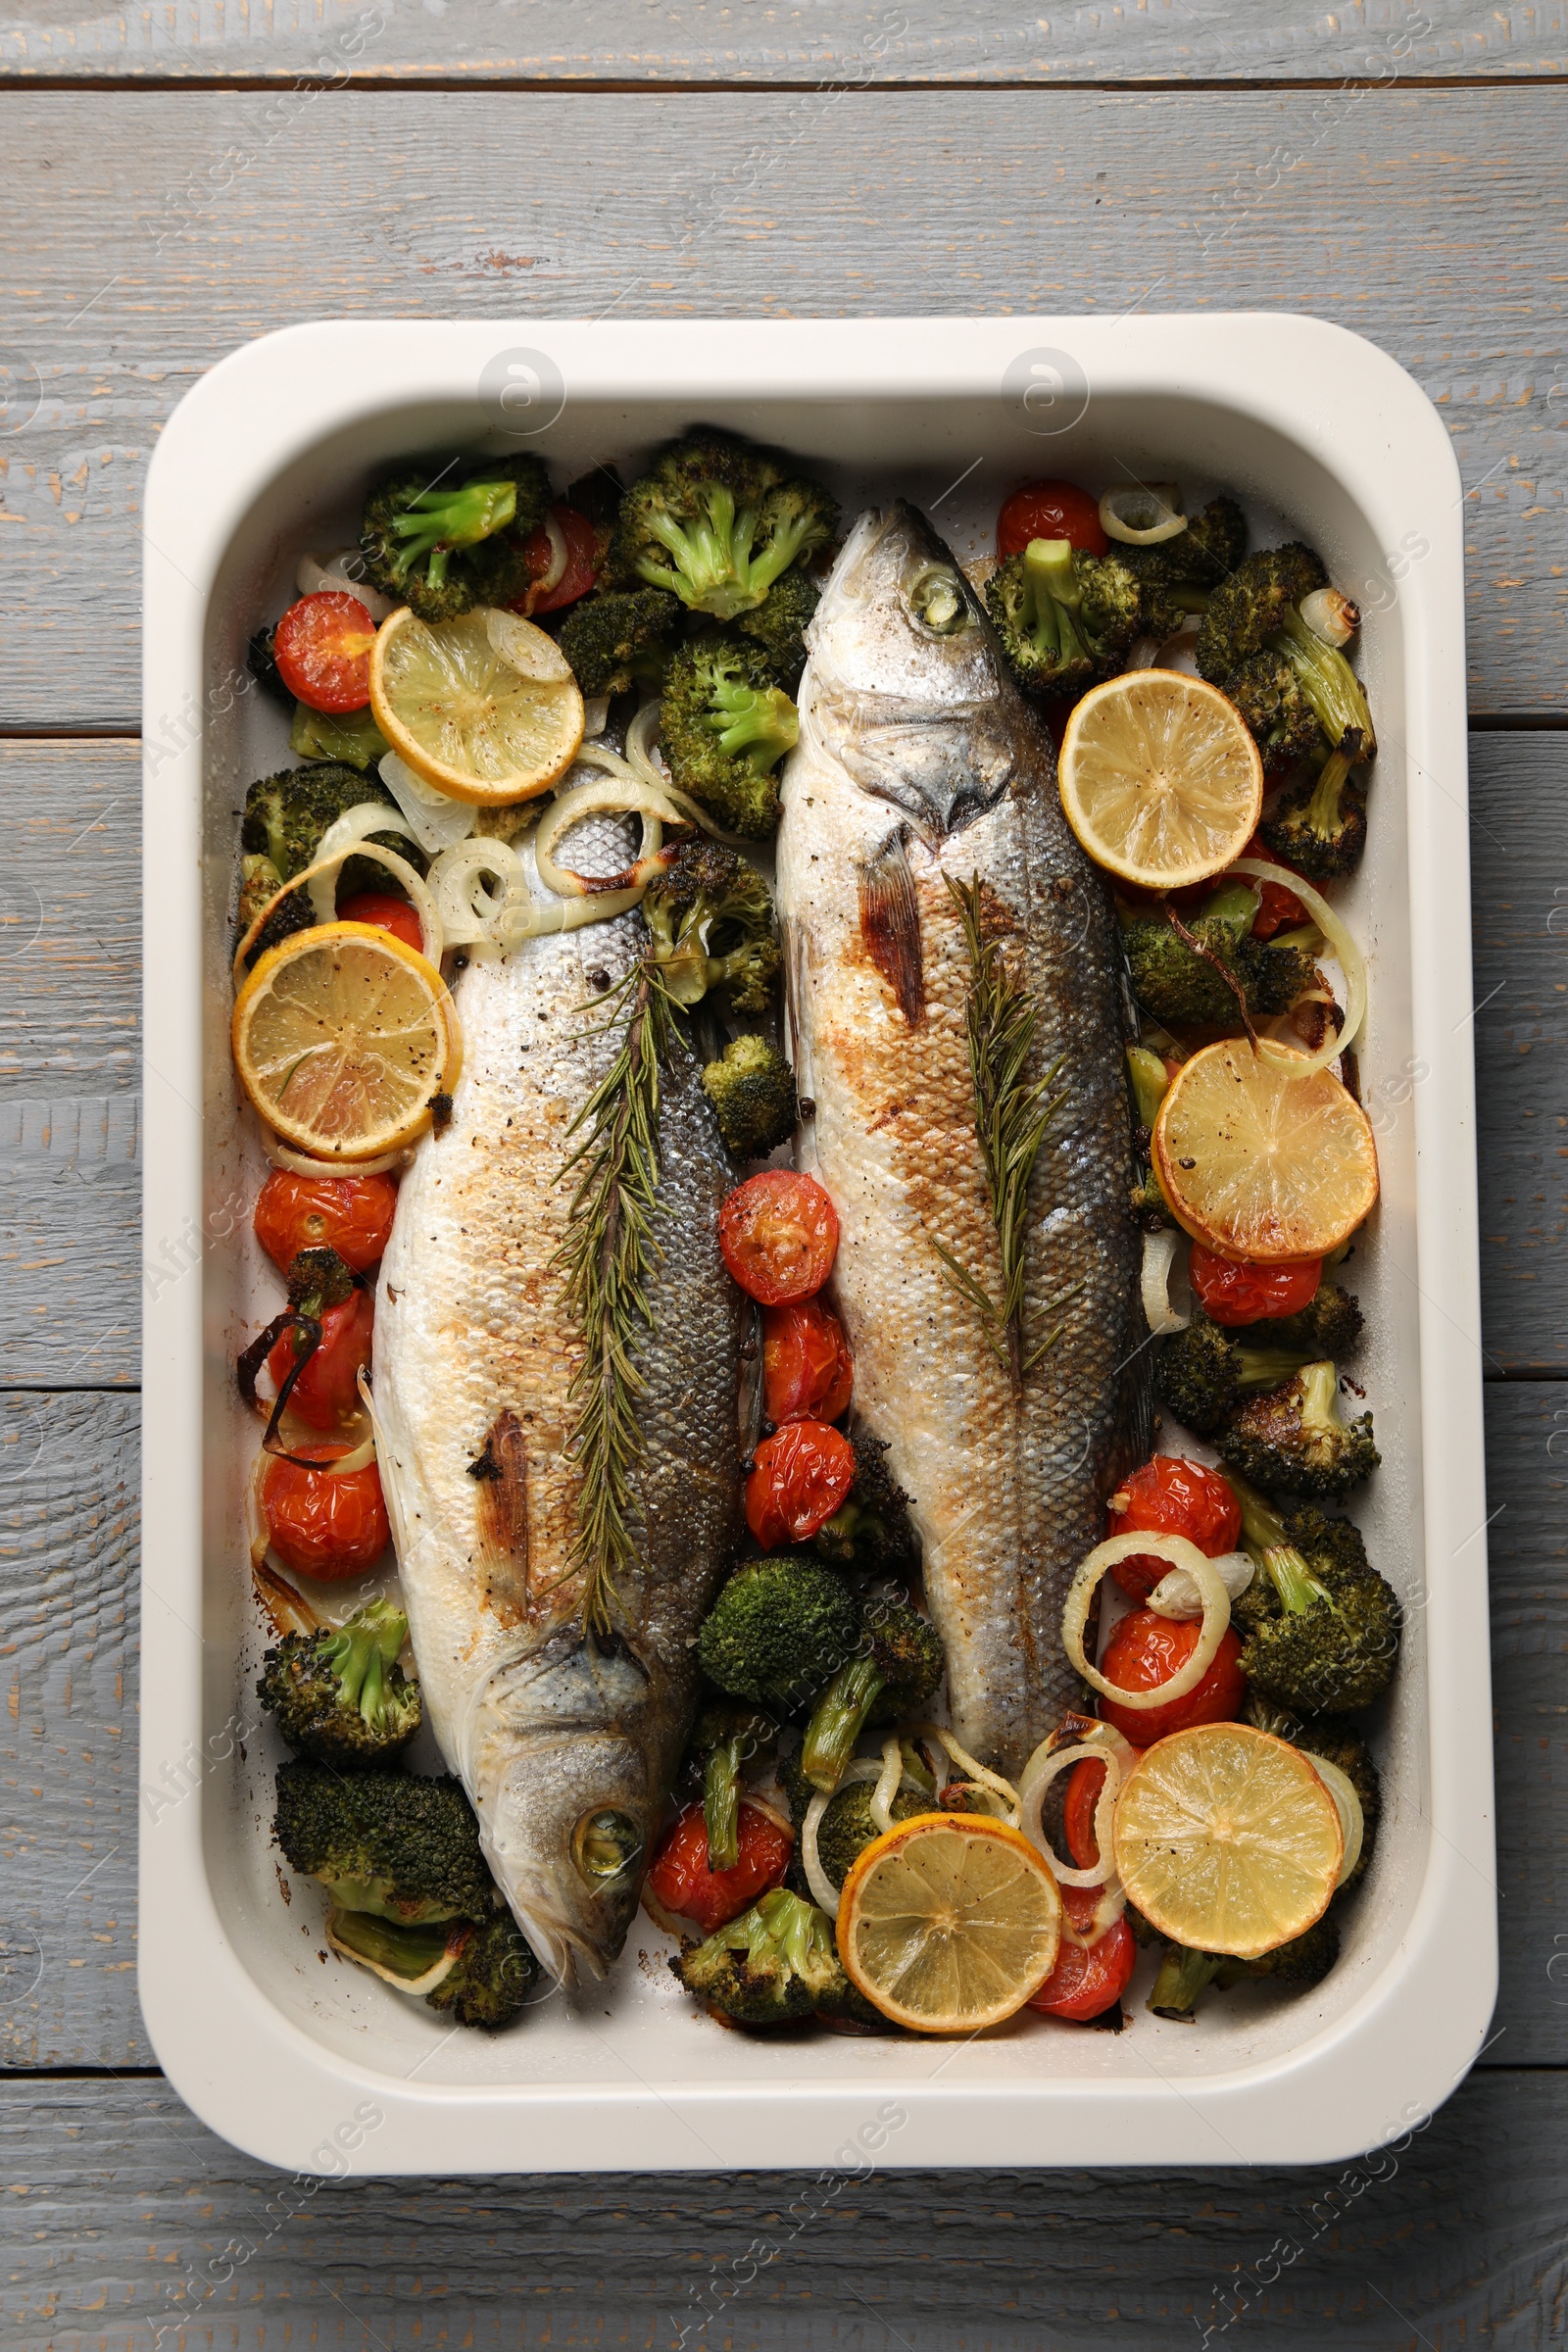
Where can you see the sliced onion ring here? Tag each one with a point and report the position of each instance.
(1181, 1554)
(1348, 1805)
(413, 883)
(1042, 1767)
(1176, 1595)
(976, 1772)
(298, 1163)
(558, 556)
(823, 1891)
(452, 876)
(1351, 963)
(1158, 501)
(633, 797)
(1159, 1251)
(355, 825)
(886, 1786)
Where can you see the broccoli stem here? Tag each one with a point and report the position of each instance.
(838, 1720)
(721, 1803)
(748, 716)
(1266, 1539)
(440, 520)
(1148, 1074)
(1052, 582)
(1183, 1980)
(363, 1652)
(1329, 684)
(1323, 809)
(1266, 1367)
(404, 1951)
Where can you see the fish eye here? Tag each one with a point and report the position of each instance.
(938, 601)
(606, 1844)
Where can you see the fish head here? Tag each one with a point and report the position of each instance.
(906, 689)
(556, 1759)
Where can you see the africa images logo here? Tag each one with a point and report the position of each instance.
(1047, 389)
(522, 392)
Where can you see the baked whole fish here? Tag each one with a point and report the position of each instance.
(566, 1742)
(919, 761)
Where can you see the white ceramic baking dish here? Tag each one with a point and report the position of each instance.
(318, 2066)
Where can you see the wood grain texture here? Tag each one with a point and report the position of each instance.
(149, 232)
(707, 41)
(135, 2225)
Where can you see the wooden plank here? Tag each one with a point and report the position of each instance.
(70, 1063)
(130, 2216)
(66, 1751)
(589, 41)
(149, 232)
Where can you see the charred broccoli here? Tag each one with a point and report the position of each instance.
(1062, 617)
(899, 1665)
(1179, 985)
(871, 1528)
(1250, 606)
(847, 1827)
(348, 738)
(1212, 546)
(619, 639)
(1330, 1324)
(1321, 827)
(1336, 1738)
(403, 1848)
(778, 624)
(1320, 1626)
(286, 818)
(480, 1972)
(780, 1628)
(753, 1093)
(724, 726)
(447, 537)
(716, 522)
(1186, 1975)
(339, 1694)
(1268, 696)
(1291, 1440)
(723, 1740)
(775, 1963)
(711, 920)
(1205, 1370)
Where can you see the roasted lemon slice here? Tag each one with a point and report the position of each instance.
(949, 1923)
(1160, 778)
(484, 707)
(342, 1036)
(1262, 1160)
(1227, 1840)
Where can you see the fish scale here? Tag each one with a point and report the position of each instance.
(920, 761)
(475, 1354)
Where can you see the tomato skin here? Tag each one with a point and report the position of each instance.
(325, 1526)
(387, 913)
(1146, 1650)
(807, 1371)
(351, 1214)
(683, 1883)
(323, 650)
(1281, 909)
(1088, 1979)
(581, 561)
(1174, 1497)
(800, 1479)
(779, 1233)
(1232, 1291)
(1050, 510)
(326, 1392)
(1078, 1813)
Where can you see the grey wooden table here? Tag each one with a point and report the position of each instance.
(180, 178)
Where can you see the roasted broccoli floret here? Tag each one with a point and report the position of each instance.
(389, 1843)
(752, 1089)
(1291, 1440)
(1186, 1975)
(1320, 1626)
(716, 522)
(780, 1628)
(1180, 986)
(445, 537)
(725, 724)
(724, 1738)
(1330, 1324)
(339, 1694)
(478, 1972)
(286, 818)
(1329, 684)
(620, 638)
(711, 920)
(1320, 827)
(1206, 1370)
(898, 1666)
(1212, 546)
(778, 624)
(1062, 617)
(847, 1827)
(1249, 607)
(1267, 693)
(348, 738)
(1336, 1738)
(772, 1965)
(871, 1528)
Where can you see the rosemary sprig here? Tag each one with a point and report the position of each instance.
(608, 1255)
(1012, 1113)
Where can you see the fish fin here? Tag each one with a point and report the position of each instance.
(501, 1517)
(890, 923)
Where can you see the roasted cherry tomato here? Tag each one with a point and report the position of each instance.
(1178, 1498)
(388, 913)
(1087, 1977)
(682, 1881)
(1231, 1291)
(324, 1526)
(1145, 1651)
(1281, 909)
(323, 650)
(807, 1368)
(800, 1479)
(351, 1214)
(1050, 510)
(578, 577)
(779, 1234)
(326, 1392)
(1078, 1813)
